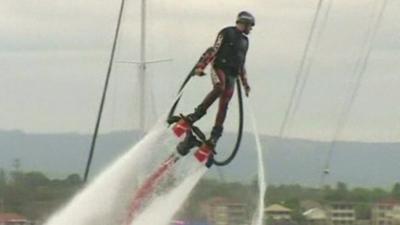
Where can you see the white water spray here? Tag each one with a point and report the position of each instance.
(163, 208)
(258, 218)
(104, 201)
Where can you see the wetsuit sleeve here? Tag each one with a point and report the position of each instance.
(209, 55)
(242, 71)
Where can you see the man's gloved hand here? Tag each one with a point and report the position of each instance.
(199, 72)
(246, 89)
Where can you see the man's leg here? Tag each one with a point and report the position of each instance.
(223, 109)
(190, 141)
(218, 79)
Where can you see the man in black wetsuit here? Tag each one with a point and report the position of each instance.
(227, 57)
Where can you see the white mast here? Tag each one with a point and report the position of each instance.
(142, 69)
(142, 63)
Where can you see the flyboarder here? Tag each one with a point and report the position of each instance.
(227, 58)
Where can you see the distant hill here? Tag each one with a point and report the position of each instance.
(288, 161)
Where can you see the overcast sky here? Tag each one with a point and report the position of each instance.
(54, 55)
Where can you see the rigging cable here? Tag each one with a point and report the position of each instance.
(300, 69)
(103, 98)
(311, 59)
(359, 71)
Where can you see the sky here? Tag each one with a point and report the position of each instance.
(54, 56)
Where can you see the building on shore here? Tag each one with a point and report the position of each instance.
(316, 216)
(341, 213)
(386, 212)
(277, 212)
(221, 211)
(13, 219)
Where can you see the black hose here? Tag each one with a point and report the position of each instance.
(187, 79)
(206, 54)
(240, 129)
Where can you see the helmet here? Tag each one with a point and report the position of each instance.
(246, 17)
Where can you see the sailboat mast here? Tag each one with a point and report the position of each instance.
(142, 68)
(104, 95)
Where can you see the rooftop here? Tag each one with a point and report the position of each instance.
(7, 217)
(277, 208)
(389, 201)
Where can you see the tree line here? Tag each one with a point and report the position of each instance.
(33, 194)
(36, 196)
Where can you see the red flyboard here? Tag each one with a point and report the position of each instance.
(203, 153)
(181, 127)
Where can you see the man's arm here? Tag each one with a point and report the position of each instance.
(243, 79)
(209, 55)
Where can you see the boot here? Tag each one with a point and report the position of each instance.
(210, 161)
(216, 133)
(173, 119)
(188, 143)
(198, 113)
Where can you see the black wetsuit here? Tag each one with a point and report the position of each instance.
(231, 54)
(228, 56)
